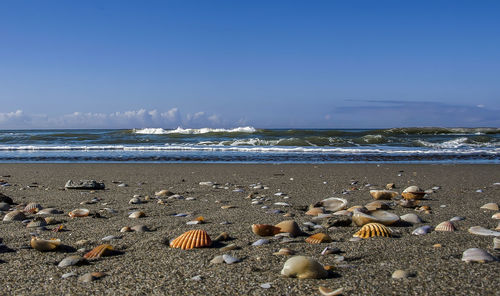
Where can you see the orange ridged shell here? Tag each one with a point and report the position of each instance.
(99, 251)
(319, 238)
(373, 229)
(265, 229)
(445, 226)
(192, 239)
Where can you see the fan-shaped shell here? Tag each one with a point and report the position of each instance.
(490, 206)
(32, 207)
(303, 267)
(265, 229)
(413, 192)
(315, 211)
(383, 194)
(477, 255)
(377, 205)
(192, 239)
(445, 226)
(319, 238)
(334, 204)
(44, 244)
(290, 226)
(15, 215)
(381, 217)
(373, 229)
(79, 213)
(99, 251)
(37, 222)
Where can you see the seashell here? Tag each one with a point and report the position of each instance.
(37, 222)
(4, 206)
(224, 236)
(15, 215)
(79, 213)
(32, 207)
(164, 192)
(192, 239)
(226, 207)
(379, 216)
(411, 218)
(230, 259)
(71, 260)
(229, 247)
(496, 216)
(445, 226)
(126, 229)
(319, 238)
(49, 211)
(408, 203)
(290, 226)
(315, 211)
(329, 292)
(383, 194)
(137, 214)
(490, 206)
(334, 204)
(373, 229)
(477, 255)
(91, 276)
(457, 218)
(284, 252)
(139, 228)
(361, 209)
(265, 229)
(330, 250)
(483, 231)
(390, 186)
(111, 237)
(135, 201)
(44, 245)
(496, 243)
(303, 267)
(99, 251)
(50, 220)
(413, 192)
(260, 242)
(400, 274)
(217, 260)
(377, 205)
(343, 213)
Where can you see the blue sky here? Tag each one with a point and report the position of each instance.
(291, 64)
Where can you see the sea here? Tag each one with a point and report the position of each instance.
(253, 145)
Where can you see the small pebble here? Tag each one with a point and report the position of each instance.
(400, 274)
(265, 285)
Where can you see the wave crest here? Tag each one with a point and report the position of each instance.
(194, 131)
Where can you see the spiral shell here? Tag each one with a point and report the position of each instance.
(445, 226)
(44, 244)
(192, 239)
(32, 208)
(265, 229)
(373, 229)
(319, 238)
(99, 251)
(15, 215)
(79, 213)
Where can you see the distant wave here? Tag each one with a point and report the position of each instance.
(194, 131)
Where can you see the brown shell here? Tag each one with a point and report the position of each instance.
(137, 214)
(290, 226)
(44, 244)
(99, 251)
(373, 229)
(445, 226)
(15, 215)
(496, 216)
(32, 207)
(79, 213)
(377, 205)
(265, 229)
(383, 194)
(319, 238)
(315, 211)
(490, 206)
(37, 222)
(192, 239)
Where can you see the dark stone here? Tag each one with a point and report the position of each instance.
(6, 199)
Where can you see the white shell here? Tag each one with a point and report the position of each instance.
(71, 260)
(382, 217)
(483, 231)
(303, 267)
(230, 259)
(490, 206)
(477, 255)
(260, 242)
(49, 211)
(334, 204)
(422, 230)
(496, 243)
(411, 218)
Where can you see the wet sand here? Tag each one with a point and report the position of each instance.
(148, 266)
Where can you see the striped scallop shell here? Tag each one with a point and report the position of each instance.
(99, 251)
(79, 213)
(265, 229)
(32, 207)
(192, 239)
(44, 244)
(445, 226)
(37, 222)
(15, 215)
(319, 238)
(373, 229)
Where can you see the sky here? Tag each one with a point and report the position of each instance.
(267, 64)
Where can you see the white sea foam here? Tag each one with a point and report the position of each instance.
(194, 131)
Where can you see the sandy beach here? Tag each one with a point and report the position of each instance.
(147, 265)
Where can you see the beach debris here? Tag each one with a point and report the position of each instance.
(44, 245)
(49, 211)
(230, 259)
(261, 242)
(490, 206)
(84, 184)
(496, 243)
(334, 204)
(32, 207)
(72, 260)
(413, 192)
(411, 218)
(15, 215)
(330, 292)
(265, 229)
(79, 213)
(400, 274)
(477, 255)
(422, 230)
(192, 239)
(319, 238)
(479, 230)
(284, 252)
(303, 267)
(445, 226)
(372, 230)
(99, 251)
(383, 194)
(137, 214)
(379, 216)
(91, 276)
(37, 222)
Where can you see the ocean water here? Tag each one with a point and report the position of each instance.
(249, 144)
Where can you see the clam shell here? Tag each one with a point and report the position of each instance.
(319, 238)
(230, 259)
(79, 213)
(383, 194)
(265, 229)
(477, 255)
(408, 203)
(334, 204)
(445, 226)
(329, 292)
(261, 242)
(49, 211)
(290, 226)
(139, 228)
(164, 192)
(125, 229)
(135, 201)
(284, 252)
(377, 205)
(99, 251)
(37, 222)
(315, 211)
(411, 218)
(483, 231)
(192, 239)
(379, 216)
(32, 207)
(137, 214)
(303, 267)
(342, 213)
(15, 215)
(496, 216)
(222, 237)
(413, 192)
(496, 243)
(490, 206)
(71, 260)
(361, 209)
(373, 229)
(44, 244)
